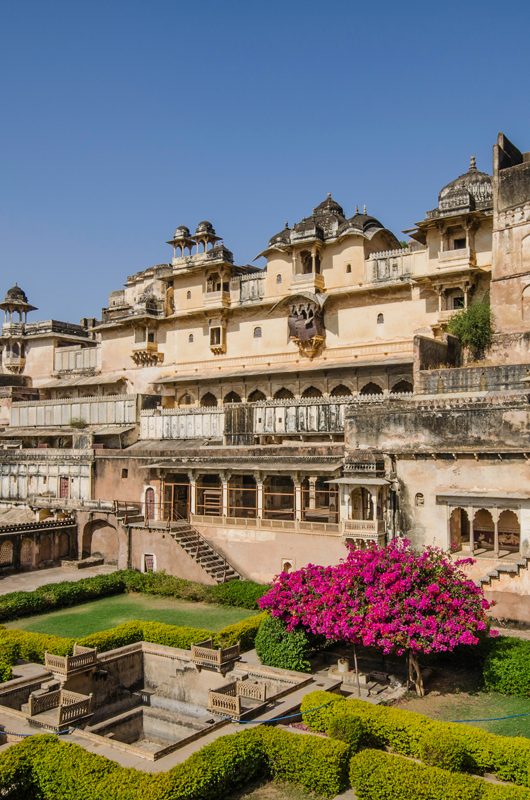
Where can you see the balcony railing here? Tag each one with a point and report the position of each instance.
(463, 258)
(309, 282)
(217, 299)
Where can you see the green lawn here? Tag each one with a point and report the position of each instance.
(276, 791)
(101, 614)
(479, 705)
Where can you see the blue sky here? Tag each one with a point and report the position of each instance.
(122, 119)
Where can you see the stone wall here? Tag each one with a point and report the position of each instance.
(474, 379)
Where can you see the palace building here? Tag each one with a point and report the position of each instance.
(222, 420)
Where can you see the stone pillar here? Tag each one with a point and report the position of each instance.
(224, 483)
(469, 510)
(193, 494)
(495, 514)
(374, 496)
(297, 500)
(312, 492)
(259, 498)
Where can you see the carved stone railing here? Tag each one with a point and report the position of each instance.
(253, 690)
(44, 702)
(74, 706)
(204, 654)
(83, 658)
(225, 702)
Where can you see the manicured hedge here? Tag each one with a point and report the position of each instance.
(506, 667)
(379, 776)
(44, 767)
(409, 734)
(53, 596)
(244, 632)
(278, 647)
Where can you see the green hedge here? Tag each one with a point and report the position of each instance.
(244, 594)
(405, 732)
(278, 647)
(44, 767)
(506, 666)
(379, 776)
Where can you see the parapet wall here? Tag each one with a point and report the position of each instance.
(474, 379)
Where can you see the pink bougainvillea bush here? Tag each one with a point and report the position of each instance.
(393, 598)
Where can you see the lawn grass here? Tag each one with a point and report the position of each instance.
(477, 705)
(276, 791)
(110, 611)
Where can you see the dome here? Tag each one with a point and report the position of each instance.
(205, 227)
(328, 206)
(16, 295)
(182, 232)
(472, 189)
(365, 222)
(283, 237)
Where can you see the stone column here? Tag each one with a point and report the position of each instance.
(259, 498)
(312, 492)
(469, 510)
(297, 500)
(193, 493)
(495, 515)
(224, 483)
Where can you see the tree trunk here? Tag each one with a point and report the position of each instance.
(415, 676)
(356, 671)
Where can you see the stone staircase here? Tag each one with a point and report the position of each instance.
(202, 552)
(511, 569)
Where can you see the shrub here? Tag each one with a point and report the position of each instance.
(473, 326)
(378, 776)
(277, 647)
(244, 632)
(324, 704)
(440, 748)
(506, 666)
(119, 636)
(6, 673)
(320, 765)
(403, 731)
(30, 646)
(347, 728)
(244, 594)
(159, 583)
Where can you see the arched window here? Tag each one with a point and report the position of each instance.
(283, 394)
(348, 268)
(419, 500)
(256, 397)
(380, 319)
(190, 338)
(232, 397)
(185, 400)
(278, 278)
(371, 388)
(209, 400)
(188, 295)
(311, 391)
(402, 387)
(257, 333)
(340, 391)
(307, 262)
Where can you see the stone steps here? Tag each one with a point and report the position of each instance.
(510, 568)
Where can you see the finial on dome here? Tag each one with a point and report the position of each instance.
(329, 194)
(472, 163)
(364, 209)
(287, 225)
(356, 209)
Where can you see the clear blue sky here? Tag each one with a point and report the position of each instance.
(122, 119)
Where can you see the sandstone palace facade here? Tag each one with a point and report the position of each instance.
(222, 420)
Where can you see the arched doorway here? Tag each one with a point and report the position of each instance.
(361, 505)
(232, 397)
(6, 553)
(402, 387)
(483, 530)
(149, 503)
(278, 497)
(209, 400)
(26, 553)
(509, 531)
(283, 394)
(340, 391)
(311, 391)
(64, 545)
(101, 538)
(459, 529)
(45, 549)
(370, 389)
(256, 396)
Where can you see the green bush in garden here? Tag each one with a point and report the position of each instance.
(44, 767)
(506, 666)
(243, 632)
(278, 647)
(244, 594)
(404, 732)
(375, 775)
(346, 727)
(440, 748)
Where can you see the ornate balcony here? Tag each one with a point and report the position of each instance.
(14, 364)
(219, 299)
(464, 258)
(364, 530)
(309, 282)
(147, 355)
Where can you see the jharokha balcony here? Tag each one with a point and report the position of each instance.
(147, 355)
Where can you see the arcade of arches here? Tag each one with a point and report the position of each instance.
(485, 529)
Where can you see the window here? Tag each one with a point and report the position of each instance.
(419, 499)
(278, 278)
(380, 319)
(124, 473)
(257, 333)
(215, 336)
(348, 268)
(459, 244)
(151, 336)
(188, 295)
(190, 338)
